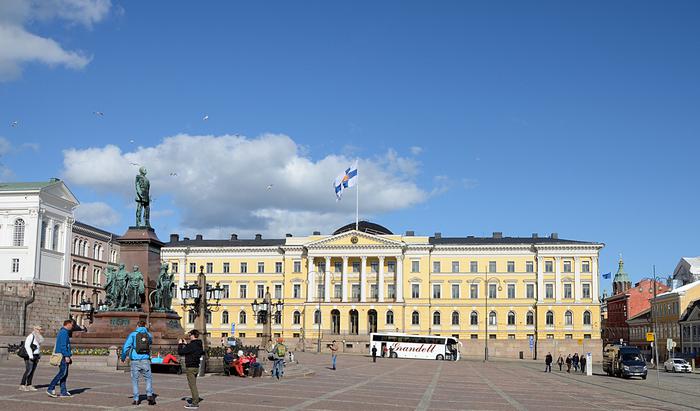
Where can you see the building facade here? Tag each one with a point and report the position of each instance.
(690, 331)
(36, 221)
(353, 282)
(639, 325)
(93, 250)
(687, 271)
(667, 310)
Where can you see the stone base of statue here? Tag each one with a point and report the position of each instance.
(140, 246)
(112, 328)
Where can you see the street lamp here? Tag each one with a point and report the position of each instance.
(264, 312)
(87, 307)
(195, 300)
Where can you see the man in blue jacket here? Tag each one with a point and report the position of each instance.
(138, 347)
(62, 347)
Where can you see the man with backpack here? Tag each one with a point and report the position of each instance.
(138, 347)
(279, 352)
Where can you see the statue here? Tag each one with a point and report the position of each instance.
(119, 288)
(163, 297)
(143, 199)
(110, 291)
(135, 288)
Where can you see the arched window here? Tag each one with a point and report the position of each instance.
(18, 238)
(56, 232)
(511, 318)
(296, 317)
(44, 228)
(492, 318)
(530, 318)
(242, 318)
(95, 253)
(224, 317)
(474, 318)
(317, 317)
(455, 318)
(549, 318)
(75, 246)
(568, 318)
(415, 318)
(390, 317)
(586, 318)
(436, 318)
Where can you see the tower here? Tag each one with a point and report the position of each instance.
(621, 282)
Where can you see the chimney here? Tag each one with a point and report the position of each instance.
(186, 239)
(316, 233)
(288, 235)
(174, 238)
(234, 236)
(438, 234)
(198, 237)
(54, 180)
(470, 236)
(535, 235)
(258, 236)
(410, 233)
(497, 234)
(555, 236)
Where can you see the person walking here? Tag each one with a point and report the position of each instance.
(62, 347)
(582, 360)
(374, 354)
(193, 351)
(548, 362)
(334, 353)
(32, 347)
(574, 361)
(279, 352)
(568, 363)
(560, 361)
(138, 347)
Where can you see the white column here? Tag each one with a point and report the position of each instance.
(327, 281)
(345, 279)
(311, 281)
(596, 276)
(540, 279)
(363, 280)
(577, 278)
(380, 280)
(399, 279)
(557, 285)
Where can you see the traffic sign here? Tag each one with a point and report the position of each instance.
(650, 336)
(532, 342)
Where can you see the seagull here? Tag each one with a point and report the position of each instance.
(135, 164)
(173, 174)
(98, 113)
(206, 117)
(14, 123)
(131, 141)
(269, 187)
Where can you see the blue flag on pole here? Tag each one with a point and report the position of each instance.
(607, 275)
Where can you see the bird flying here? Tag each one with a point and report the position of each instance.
(269, 187)
(206, 117)
(14, 123)
(173, 174)
(98, 113)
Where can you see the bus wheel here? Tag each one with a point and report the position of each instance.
(394, 355)
(440, 357)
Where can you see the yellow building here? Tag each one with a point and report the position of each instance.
(354, 282)
(667, 309)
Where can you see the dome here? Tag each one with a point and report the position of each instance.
(365, 227)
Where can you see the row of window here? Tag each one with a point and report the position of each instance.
(493, 290)
(510, 266)
(79, 274)
(81, 246)
(54, 245)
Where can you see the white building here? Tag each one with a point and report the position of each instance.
(36, 220)
(687, 271)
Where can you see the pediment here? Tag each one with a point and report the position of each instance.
(61, 191)
(354, 239)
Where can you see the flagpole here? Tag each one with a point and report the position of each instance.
(357, 202)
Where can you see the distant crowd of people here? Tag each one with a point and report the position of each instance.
(575, 361)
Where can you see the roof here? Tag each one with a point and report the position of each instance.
(694, 263)
(365, 227)
(640, 314)
(687, 312)
(27, 186)
(267, 242)
(93, 228)
(504, 241)
(621, 276)
(680, 289)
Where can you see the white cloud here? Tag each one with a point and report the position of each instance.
(18, 46)
(415, 150)
(222, 182)
(98, 214)
(5, 146)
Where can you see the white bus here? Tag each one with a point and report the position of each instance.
(430, 347)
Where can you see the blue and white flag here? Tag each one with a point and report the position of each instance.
(607, 275)
(345, 180)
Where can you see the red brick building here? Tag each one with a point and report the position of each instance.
(626, 303)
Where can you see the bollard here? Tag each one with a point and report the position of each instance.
(4, 353)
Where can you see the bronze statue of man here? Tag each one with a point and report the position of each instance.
(135, 288)
(143, 199)
(120, 280)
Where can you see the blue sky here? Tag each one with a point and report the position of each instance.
(467, 117)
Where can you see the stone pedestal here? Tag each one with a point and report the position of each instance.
(112, 327)
(141, 246)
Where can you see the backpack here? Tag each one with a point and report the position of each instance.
(281, 350)
(22, 351)
(142, 345)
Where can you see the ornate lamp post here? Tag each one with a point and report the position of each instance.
(87, 307)
(195, 300)
(264, 311)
